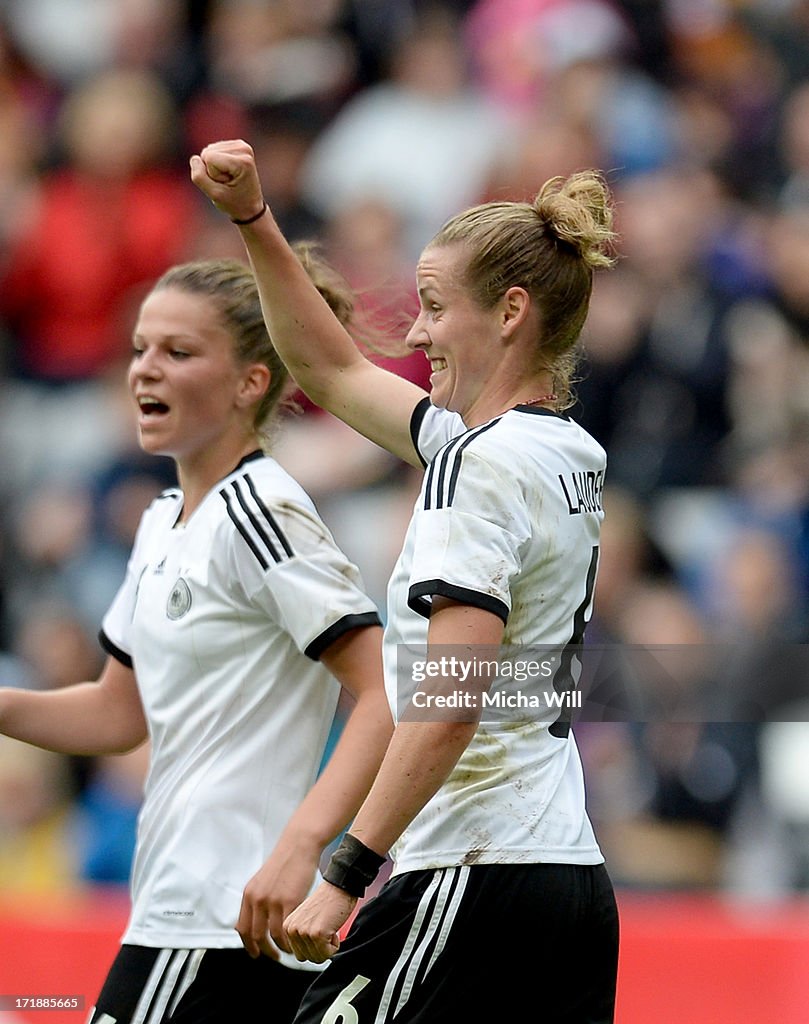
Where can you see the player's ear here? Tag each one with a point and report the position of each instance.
(515, 307)
(253, 385)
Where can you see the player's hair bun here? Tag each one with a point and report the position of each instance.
(577, 211)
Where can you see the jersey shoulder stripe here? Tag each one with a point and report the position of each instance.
(272, 521)
(442, 476)
(254, 521)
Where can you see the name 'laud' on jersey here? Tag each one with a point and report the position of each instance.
(583, 490)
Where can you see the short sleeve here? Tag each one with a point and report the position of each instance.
(471, 527)
(431, 428)
(306, 583)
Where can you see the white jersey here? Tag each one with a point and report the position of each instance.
(508, 520)
(223, 619)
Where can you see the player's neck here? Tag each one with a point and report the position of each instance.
(494, 401)
(200, 473)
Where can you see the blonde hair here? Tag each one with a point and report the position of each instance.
(550, 247)
(232, 288)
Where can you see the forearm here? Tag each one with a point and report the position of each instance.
(344, 783)
(284, 879)
(312, 343)
(419, 759)
(422, 754)
(83, 719)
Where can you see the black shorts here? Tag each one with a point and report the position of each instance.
(476, 944)
(197, 986)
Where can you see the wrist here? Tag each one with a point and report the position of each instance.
(254, 218)
(353, 866)
(303, 841)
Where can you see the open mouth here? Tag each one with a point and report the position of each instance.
(152, 407)
(438, 364)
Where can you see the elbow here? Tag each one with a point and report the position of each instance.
(128, 738)
(127, 746)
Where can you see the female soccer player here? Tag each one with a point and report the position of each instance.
(499, 898)
(226, 641)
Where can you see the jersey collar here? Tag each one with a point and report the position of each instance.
(250, 457)
(538, 410)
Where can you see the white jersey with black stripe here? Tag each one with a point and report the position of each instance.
(508, 520)
(223, 619)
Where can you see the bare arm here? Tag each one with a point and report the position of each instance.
(355, 659)
(102, 717)
(418, 761)
(318, 351)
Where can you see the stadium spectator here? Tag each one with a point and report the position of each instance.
(110, 218)
(418, 140)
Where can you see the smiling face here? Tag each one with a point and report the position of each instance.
(458, 336)
(192, 393)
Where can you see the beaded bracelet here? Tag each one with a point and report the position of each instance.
(255, 217)
(353, 866)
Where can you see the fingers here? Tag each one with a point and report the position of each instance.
(219, 166)
(253, 928)
(310, 938)
(260, 940)
(260, 926)
(317, 949)
(244, 926)
(224, 159)
(277, 933)
(268, 949)
(312, 929)
(214, 168)
(227, 174)
(211, 169)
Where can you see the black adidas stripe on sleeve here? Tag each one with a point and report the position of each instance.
(442, 477)
(256, 524)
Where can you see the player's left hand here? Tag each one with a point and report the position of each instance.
(313, 929)
(272, 893)
(226, 173)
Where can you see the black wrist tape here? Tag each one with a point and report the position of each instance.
(353, 866)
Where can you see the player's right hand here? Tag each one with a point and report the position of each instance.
(226, 173)
(313, 929)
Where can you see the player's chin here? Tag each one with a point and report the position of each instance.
(151, 443)
(445, 400)
(441, 397)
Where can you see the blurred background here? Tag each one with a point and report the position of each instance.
(374, 120)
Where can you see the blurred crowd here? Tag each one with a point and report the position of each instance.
(373, 120)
